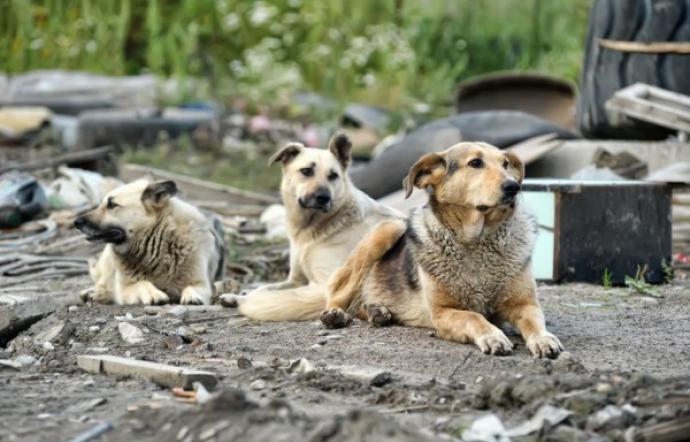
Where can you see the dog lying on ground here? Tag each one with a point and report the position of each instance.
(326, 218)
(461, 259)
(158, 247)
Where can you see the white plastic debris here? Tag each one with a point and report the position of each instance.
(488, 428)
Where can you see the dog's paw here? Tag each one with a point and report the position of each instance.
(545, 345)
(378, 315)
(335, 318)
(192, 296)
(228, 300)
(495, 343)
(94, 295)
(150, 297)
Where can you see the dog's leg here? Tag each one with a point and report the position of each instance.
(142, 292)
(521, 308)
(347, 281)
(470, 327)
(102, 272)
(196, 294)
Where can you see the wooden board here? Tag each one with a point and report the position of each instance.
(194, 188)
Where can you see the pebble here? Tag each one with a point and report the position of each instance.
(72, 308)
(244, 363)
(179, 311)
(258, 385)
(100, 321)
(48, 346)
(25, 360)
(130, 333)
(94, 328)
(199, 329)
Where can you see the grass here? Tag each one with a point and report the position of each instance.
(250, 172)
(391, 52)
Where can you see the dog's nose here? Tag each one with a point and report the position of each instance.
(79, 222)
(322, 199)
(510, 187)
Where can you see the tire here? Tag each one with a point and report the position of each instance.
(605, 71)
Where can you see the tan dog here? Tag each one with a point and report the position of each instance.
(158, 247)
(326, 218)
(461, 259)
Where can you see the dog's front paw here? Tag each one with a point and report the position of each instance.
(192, 296)
(335, 318)
(494, 342)
(149, 297)
(95, 295)
(544, 345)
(378, 315)
(229, 300)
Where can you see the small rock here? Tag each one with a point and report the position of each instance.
(100, 321)
(25, 360)
(381, 379)
(610, 417)
(76, 346)
(244, 363)
(258, 384)
(72, 308)
(333, 337)
(185, 333)
(152, 310)
(179, 311)
(94, 328)
(48, 346)
(173, 341)
(321, 342)
(130, 333)
(199, 329)
(301, 366)
(316, 346)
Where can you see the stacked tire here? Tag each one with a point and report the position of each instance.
(605, 71)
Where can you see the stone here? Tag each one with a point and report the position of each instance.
(25, 360)
(611, 417)
(130, 333)
(488, 428)
(258, 384)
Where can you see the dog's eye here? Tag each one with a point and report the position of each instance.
(505, 164)
(307, 171)
(111, 204)
(476, 163)
(333, 176)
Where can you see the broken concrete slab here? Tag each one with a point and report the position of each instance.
(19, 311)
(161, 374)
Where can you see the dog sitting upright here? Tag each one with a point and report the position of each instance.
(158, 247)
(459, 260)
(326, 217)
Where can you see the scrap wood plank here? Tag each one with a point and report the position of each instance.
(531, 149)
(161, 374)
(651, 104)
(56, 160)
(194, 188)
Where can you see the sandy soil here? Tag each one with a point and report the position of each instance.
(621, 347)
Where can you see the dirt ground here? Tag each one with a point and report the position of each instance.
(624, 350)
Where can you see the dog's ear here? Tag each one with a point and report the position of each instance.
(427, 171)
(286, 154)
(158, 193)
(516, 165)
(341, 147)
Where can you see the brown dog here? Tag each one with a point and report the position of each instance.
(461, 259)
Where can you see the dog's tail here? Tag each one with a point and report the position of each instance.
(300, 304)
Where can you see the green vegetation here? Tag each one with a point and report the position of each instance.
(389, 52)
(607, 278)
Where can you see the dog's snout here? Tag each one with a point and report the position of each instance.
(510, 187)
(79, 222)
(322, 198)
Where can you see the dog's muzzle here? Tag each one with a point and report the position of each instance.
(510, 190)
(319, 200)
(95, 233)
